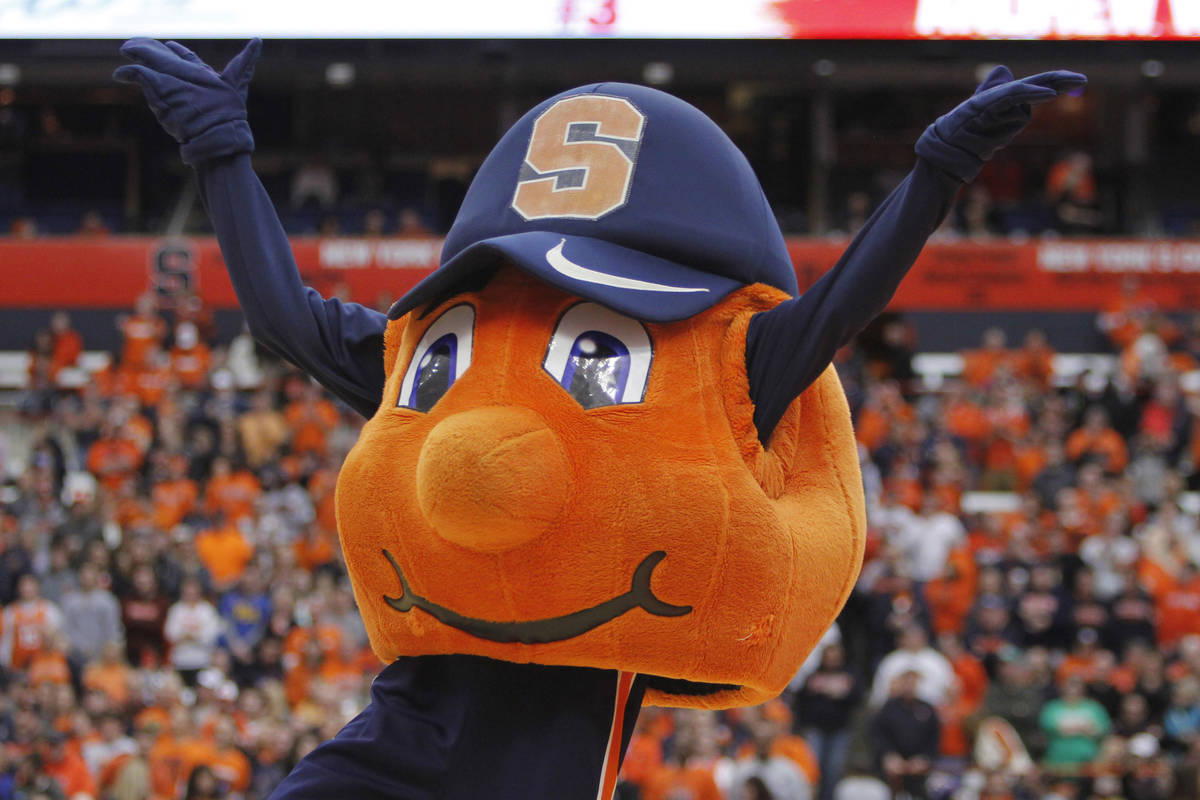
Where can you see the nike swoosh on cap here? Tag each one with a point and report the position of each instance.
(565, 266)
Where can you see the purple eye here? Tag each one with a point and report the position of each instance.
(441, 357)
(600, 357)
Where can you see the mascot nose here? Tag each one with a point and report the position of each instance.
(493, 478)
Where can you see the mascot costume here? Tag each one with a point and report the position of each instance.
(607, 461)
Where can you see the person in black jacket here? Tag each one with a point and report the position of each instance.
(821, 714)
(906, 734)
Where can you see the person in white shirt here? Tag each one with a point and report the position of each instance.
(782, 777)
(924, 540)
(914, 653)
(192, 628)
(1110, 554)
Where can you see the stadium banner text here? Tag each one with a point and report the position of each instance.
(803, 19)
(1052, 275)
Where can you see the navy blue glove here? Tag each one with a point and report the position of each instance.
(961, 141)
(205, 111)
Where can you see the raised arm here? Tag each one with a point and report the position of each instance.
(790, 345)
(338, 344)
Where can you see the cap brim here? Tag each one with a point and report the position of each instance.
(628, 281)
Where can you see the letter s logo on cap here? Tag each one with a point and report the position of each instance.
(580, 160)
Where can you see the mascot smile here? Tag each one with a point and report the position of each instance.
(606, 459)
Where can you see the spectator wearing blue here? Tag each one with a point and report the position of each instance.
(245, 612)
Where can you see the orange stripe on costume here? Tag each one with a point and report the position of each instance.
(612, 755)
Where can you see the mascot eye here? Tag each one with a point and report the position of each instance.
(441, 358)
(600, 357)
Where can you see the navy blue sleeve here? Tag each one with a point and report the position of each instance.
(339, 344)
(789, 346)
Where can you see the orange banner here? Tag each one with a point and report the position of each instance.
(1053, 275)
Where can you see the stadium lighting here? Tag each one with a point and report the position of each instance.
(983, 70)
(658, 73)
(824, 67)
(340, 74)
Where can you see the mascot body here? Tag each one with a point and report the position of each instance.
(606, 459)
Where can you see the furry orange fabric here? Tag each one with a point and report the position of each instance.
(508, 504)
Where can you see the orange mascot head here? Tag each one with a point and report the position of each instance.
(565, 468)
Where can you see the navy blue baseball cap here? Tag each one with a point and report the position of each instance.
(623, 195)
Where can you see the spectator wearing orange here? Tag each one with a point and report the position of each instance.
(1164, 420)
(231, 492)
(113, 458)
(191, 748)
(328, 638)
(310, 417)
(133, 425)
(963, 416)
(224, 551)
(152, 379)
(1034, 362)
(343, 668)
(1096, 440)
(321, 488)
(143, 332)
(1178, 605)
(67, 343)
(884, 408)
(1124, 318)
(972, 677)
(315, 548)
(305, 670)
(1029, 459)
(66, 766)
(190, 357)
(227, 762)
(49, 665)
(110, 675)
(176, 496)
(1072, 194)
(1096, 497)
(678, 779)
(644, 755)
(952, 714)
(163, 759)
(983, 364)
(29, 624)
(950, 594)
(263, 431)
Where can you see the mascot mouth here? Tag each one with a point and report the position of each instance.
(552, 629)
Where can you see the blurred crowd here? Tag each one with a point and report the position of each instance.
(178, 624)
(1027, 622)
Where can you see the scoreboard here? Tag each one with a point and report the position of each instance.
(804, 19)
